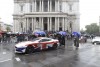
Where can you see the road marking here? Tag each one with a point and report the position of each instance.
(17, 59)
(4, 53)
(5, 60)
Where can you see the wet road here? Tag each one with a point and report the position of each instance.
(87, 55)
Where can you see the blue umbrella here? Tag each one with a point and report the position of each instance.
(76, 34)
(40, 33)
(62, 33)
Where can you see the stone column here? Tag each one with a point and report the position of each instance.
(32, 24)
(35, 5)
(55, 23)
(55, 5)
(66, 24)
(27, 24)
(48, 23)
(18, 26)
(63, 24)
(42, 24)
(24, 24)
(58, 24)
(58, 6)
(42, 5)
(48, 5)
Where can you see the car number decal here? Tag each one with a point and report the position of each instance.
(50, 45)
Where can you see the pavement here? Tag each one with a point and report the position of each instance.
(87, 55)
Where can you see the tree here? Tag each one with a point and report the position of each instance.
(92, 28)
(8, 29)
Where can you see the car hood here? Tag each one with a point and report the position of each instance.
(95, 40)
(25, 43)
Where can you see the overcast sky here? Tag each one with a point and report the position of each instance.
(89, 11)
(6, 11)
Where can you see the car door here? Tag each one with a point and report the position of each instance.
(44, 43)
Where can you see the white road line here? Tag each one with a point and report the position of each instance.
(5, 60)
(17, 59)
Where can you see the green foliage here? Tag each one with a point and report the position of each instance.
(92, 28)
(8, 29)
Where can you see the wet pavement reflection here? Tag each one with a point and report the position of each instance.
(87, 55)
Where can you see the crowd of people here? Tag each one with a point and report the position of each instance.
(6, 37)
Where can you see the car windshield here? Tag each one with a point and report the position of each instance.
(36, 39)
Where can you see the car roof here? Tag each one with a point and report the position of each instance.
(44, 38)
(97, 37)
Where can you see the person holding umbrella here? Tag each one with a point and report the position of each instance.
(76, 39)
(62, 37)
(63, 40)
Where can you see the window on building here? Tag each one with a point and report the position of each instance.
(70, 25)
(21, 8)
(70, 7)
(37, 6)
(53, 5)
(30, 26)
(60, 6)
(21, 25)
(30, 7)
(45, 5)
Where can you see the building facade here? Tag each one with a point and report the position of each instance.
(50, 15)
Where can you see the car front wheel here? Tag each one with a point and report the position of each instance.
(95, 43)
(55, 46)
(29, 50)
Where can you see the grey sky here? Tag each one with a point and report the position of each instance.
(6, 11)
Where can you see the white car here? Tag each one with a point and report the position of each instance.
(96, 40)
(41, 43)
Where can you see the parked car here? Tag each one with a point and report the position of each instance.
(83, 39)
(36, 44)
(96, 40)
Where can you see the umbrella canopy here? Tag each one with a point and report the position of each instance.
(39, 33)
(62, 33)
(76, 34)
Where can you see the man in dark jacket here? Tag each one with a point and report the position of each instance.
(76, 41)
(63, 40)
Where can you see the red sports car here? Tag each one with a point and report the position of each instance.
(36, 44)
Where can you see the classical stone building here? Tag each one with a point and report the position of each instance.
(50, 15)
